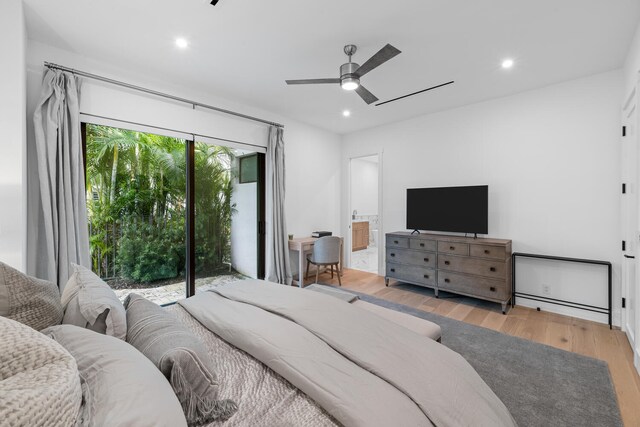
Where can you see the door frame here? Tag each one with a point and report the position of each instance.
(348, 240)
(190, 141)
(630, 107)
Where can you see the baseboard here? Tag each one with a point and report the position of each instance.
(566, 311)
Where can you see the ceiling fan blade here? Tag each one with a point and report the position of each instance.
(367, 96)
(415, 93)
(311, 81)
(383, 55)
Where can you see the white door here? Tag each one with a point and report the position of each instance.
(630, 221)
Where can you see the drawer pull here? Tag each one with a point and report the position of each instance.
(426, 260)
(492, 288)
(487, 251)
(422, 245)
(393, 270)
(426, 276)
(393, 255)
(447, 263)
(452, 248)
(492, 269)
(395, 241)
(447, 280)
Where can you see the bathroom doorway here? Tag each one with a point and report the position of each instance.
(365, 216)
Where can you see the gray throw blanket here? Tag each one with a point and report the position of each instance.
(362, 369)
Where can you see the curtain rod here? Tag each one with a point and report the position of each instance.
(157, 93)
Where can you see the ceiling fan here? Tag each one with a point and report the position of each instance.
(350, 73)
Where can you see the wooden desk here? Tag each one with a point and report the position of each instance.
(304, 245)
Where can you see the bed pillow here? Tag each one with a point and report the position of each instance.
(120, 386)
(28, 300)
(90, 303)
(38, 379)
(180, 356)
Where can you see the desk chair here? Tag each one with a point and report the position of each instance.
(326, 252)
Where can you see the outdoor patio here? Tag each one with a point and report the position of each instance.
(177, 291)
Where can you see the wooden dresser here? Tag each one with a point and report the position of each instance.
(479, 268)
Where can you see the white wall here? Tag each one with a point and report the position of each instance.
(244, 228)
(312, 155)
(13, 130)
(364, 186)
(313, 180)
(550, 157)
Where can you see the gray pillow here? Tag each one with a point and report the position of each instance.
(28, 300)
(39, 381)
(180, 356)
(120, 386)
(90, 303)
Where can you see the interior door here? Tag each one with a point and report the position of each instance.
(630, 219)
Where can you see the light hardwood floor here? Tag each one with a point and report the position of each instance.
(568, 333)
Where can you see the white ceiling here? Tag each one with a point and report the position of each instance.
(245, 49)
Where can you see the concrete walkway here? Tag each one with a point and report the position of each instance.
(172, 293)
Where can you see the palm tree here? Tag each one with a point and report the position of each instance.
(136, 203)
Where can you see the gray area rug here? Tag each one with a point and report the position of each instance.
(541, 385)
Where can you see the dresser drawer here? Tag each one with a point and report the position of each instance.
(480, 267)
(419, 275)
(405, 256)
(422, 244)
(488, 251)
(397, 242)
(453, 248)
(475, 286)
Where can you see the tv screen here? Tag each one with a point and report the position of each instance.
(454, 209)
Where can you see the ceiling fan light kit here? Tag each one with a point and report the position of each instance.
(351, 73)
(349, 80)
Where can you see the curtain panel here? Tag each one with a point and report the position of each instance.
(58, 226)
(278, 268)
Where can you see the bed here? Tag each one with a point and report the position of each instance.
(283, 356)
(358, 367)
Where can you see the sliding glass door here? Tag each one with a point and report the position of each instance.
(145, 194)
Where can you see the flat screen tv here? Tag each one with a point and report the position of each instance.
(453, 209)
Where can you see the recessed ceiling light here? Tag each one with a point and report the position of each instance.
(346, 113)
(182, 43)
(507, 63)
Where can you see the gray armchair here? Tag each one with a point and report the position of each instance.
(326, 252)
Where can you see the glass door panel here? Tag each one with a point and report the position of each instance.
(226, 218)
(136, 203)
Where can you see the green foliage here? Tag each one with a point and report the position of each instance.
(147, 253)
(136, 198)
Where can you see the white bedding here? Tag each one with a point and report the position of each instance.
(362, 369)
(264, 398)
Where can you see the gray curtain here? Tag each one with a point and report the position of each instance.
(57, 204)
(278, 268)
